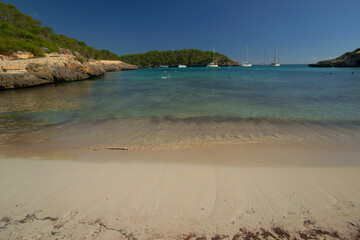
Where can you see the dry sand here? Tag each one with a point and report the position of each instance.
(248, 191)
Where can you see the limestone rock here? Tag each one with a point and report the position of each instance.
(53, 69)
(22, 55)
(5, 58)
(61, 74)
(20, 80)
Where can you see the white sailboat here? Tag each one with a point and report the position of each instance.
(213, 64)
(276, 62)
(182, 66)
(246, 63)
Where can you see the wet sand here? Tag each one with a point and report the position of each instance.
(217, 191)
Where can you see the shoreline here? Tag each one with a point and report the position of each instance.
(79, 153)
(216, 191)
(349, 59)
(32, 72)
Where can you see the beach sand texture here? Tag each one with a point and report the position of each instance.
(248, 191)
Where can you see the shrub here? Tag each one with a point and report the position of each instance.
(20, 32)
(350, 53)
(80, 59)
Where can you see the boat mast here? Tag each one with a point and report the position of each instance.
(213, 54)
(275, 55)
(247, 53)
(264, 57)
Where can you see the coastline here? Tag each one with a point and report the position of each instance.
(347, 60)
(233, 144)
(33, 72)
(215, 191)
(73, 167)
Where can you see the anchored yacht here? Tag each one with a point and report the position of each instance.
(276, 62)
(246, 63)
(213, 64)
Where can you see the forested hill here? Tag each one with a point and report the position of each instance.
(190, 57)
(20, 32)
(349, 59)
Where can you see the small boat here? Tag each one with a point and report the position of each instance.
(182, 66)
(164, 66)
(213, 64)
(276, 62)
(246, 63)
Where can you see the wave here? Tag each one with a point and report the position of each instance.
(235, 119)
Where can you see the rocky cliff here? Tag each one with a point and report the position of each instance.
(349, 59)
(60, 68)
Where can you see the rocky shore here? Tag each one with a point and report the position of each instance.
(350, 59)
(54, 69)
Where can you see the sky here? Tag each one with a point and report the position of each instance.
(304, 31)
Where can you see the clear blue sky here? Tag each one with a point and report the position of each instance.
(304, 31)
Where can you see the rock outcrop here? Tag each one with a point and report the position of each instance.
(61, 68)
(22, 55)
(20, 80)
(350, 59)
(16, 55)
(5, 58)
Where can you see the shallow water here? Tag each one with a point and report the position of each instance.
(162, 108)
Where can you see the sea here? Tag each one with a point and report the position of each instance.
(171, 108)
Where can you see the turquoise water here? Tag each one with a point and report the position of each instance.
(174, 107)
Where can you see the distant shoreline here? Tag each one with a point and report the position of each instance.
(349, 59)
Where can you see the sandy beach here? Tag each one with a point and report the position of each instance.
(247, 191)
(240, 120)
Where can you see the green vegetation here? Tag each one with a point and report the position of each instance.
(80, 59)
(352, 53)
(20, 32)
(191, 57)
(349, 53)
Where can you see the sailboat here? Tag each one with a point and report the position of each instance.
(246, 63)
(276, 62)
(213, 64)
